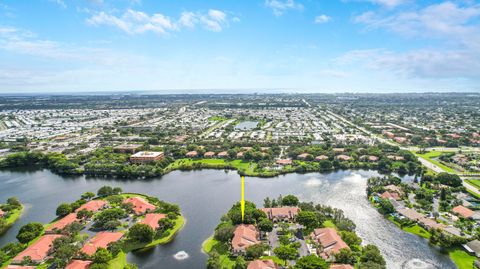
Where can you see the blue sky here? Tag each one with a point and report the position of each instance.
(297, 45)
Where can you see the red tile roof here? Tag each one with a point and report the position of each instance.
(140, 205)
(2, 213)
(388, 195)
(101, 240)
(281, 212)
(331, 242)
(152, 220)
(39, 250)
(284, 161)
(93, 205)
(343, 157)
(244, 236)
(62, 223)
(262, 264)
(20, 267)
(463, 211)
(78, 264)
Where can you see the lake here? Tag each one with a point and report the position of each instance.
(207, 194)
(246, 125)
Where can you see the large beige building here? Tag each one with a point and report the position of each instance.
(146, 157)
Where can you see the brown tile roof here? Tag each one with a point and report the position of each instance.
(262, 264)
(62, 223)
(330, 241)
(281, 212)
(101, 240)
(39, 250)
(343, 157)
(411, 214)
(140, 205)
(244, 236)
(78, 264)
(152, 220)
(222, 154)
(20, 267)
(284, 161)
(191, 154)
(321, 158)
(463, 211)
(93, 205)
(209, 154)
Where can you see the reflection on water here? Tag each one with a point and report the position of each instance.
(205, 195)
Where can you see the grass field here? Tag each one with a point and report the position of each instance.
(212, 244)
(434, 154)
(119, 262)
(414, 229)
(14, 216)
(462, 259)
(474, 182)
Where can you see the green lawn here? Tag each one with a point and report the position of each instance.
(247, 167)
(474, 182)
(118, 262)
(329, 224)
(434, 154)
(462, 259)
(12, 218)
(416, 229)
(211, 244)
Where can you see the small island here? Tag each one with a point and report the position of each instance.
(95, 232)
(287, 232)
(10, 212)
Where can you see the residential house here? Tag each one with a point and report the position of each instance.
(128, 148)
(330, 241)
(191, 154)
(93, 205)
(284, 162)
(78, 264)
(243, 237)
(463, 211)
(140, 205)
(101, 240)
(38, 251)
(19, 267)
(62, 223)
(343, 157)
(222, 154)
(262, 264)
(152, 220)
(321, 158)
(303, 156)
(281, 213)
(209, 154)
(390, 195)
(2, 213)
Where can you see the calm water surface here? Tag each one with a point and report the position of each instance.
(205, 195)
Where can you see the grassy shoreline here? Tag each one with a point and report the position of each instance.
(14, 216)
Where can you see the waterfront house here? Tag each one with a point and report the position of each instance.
(93, 205)
(222, 154)
(101, 240)
(244, 236)
(321, 158)
(140, 205)
(284, 162)
(62, 223)
(191, 154)
(303, 156)
(38, 251)
(19, 267)
(146, 157)
(343, 157)
(262, 264)
(281, 213)
(78, 264)
(330, 241)
(209, 154)
(152, 220)
(390, 195)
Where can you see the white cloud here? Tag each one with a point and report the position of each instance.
(281, 6)
(424, 63)
(389, 3)
(60, 3)
(137, 22)
(443, 19)
(322, 19)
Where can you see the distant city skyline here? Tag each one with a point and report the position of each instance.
(69, 46)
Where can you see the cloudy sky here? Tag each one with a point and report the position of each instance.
(301, 45)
